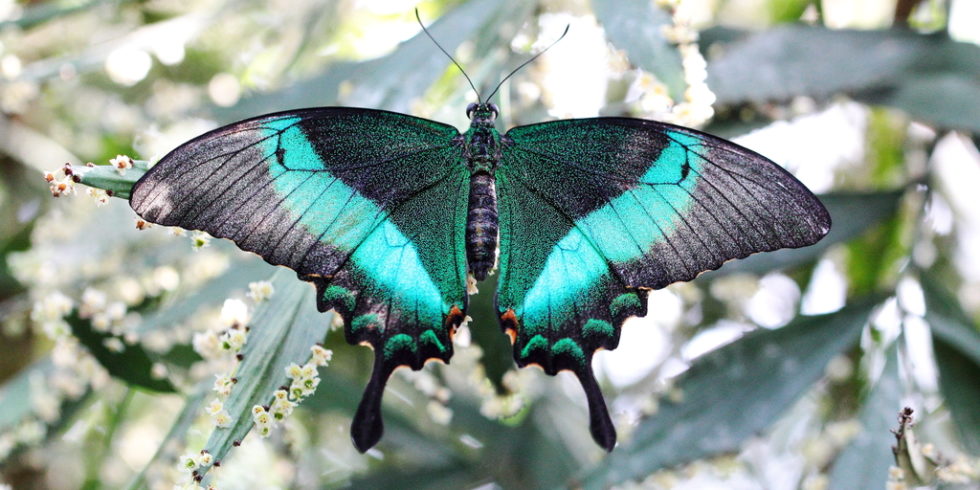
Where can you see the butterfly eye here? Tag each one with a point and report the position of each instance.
(494, 109)
(470, 108)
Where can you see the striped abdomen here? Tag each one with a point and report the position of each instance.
(481, 225)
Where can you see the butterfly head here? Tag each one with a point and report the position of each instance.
(482, 114)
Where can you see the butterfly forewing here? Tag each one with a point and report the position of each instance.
(595, 212)
(368, 205)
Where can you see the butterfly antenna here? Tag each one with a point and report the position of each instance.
(426, 31)
(529, 61)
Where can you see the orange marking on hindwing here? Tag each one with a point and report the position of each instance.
(453, 319)
(508, 320)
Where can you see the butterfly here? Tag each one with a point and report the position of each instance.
(388, 215)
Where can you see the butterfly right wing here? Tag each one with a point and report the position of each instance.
(596, 212)
(367, 205)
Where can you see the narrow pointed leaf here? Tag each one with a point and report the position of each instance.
(186, 303)
(637, 26)
(865, 461)
(17, 400)
(15, 394)
(107, 178)
(733, 393)
(393, 81)
(956, 344)
(132, 365)
(283, 329)
(193, 405)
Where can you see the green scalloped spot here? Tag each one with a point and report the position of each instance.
(338, 294)
(537, 342)
(364, 322)
(567, 346)
(623, 303)
(598, 328)
(430, 337)
(398, 343)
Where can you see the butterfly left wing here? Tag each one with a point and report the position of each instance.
(369, 206)
(596, 212)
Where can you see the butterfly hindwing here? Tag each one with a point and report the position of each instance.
(370, 206)
(596, 212)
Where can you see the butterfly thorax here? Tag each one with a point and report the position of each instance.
(482, 141)
(482, 152)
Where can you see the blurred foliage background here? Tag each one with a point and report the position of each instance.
(785, 370)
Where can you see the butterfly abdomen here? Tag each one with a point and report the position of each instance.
(481, 225)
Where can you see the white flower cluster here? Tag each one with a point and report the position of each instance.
(189, 463)
(193, 485)
(234, 338)
(819, 451)
(522, 387)
(213, 345)
(698, 98)
(74, 370)
(216, 409)
(105, 316)
(304, 380)
(260, 291)
(62, 182)
(49, 312)
(960, 471)
(439, 395)
(695, 109)
(27, 433)
(101, 197)
(121, 163)
(199, 240)
(498, 406)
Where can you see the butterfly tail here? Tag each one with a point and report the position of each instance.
(368, 426)
(601, 426)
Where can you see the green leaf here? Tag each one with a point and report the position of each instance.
(185, 303)
(944, 100)
(865, 461)
(956, 343)
(636, 26)
(132, 365)
(503, 458)
(188, 302)
(931, 77)
(800, 60)
(960, 385)
(44, 12)
(16, 399)
(15, 394)
(391, 82)
(734, 392)
(786, 10)
(947, 318)
(283, 329)
(498, 354)
(851, 214)
(193, 405)
(107, 178)
(874, 259)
